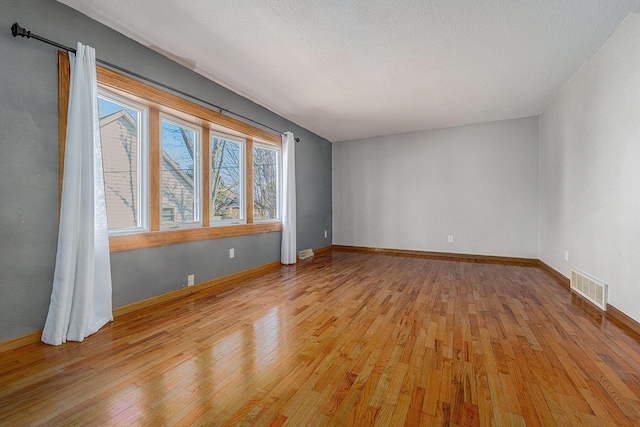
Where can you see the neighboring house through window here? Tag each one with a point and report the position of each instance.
(123, 134)
(227, 179)
(180, 171)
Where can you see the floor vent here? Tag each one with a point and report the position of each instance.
(590, 288)
(307, 253)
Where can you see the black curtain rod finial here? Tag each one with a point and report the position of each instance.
(17, 30)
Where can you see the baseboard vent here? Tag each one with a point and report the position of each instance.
(307, 253)
(590, 288)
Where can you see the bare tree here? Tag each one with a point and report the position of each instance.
(265, 183)
(180, 166)
(225, 178)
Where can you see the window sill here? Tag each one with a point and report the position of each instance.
(181, 226)
(126, 242)
(227, 223)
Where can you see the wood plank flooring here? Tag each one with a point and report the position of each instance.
(347, 339)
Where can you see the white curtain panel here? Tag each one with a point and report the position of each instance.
(288, 249)
(81, 296)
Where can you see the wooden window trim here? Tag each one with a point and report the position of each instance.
(158, 101)
(206, 176)
(125, 242)
(64, 84)
(249, 175)
(154, 170)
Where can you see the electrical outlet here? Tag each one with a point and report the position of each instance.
(450, 238)
(190, 280)
(232, 253)
(566, 256)
(325, 234)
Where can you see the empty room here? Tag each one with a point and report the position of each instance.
(340, 213)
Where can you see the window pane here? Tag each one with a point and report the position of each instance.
(179, 179)
(120, 133)
(265, 184)
(226, 180)
(168, 215)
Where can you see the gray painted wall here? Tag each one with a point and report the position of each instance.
(29, 171)
(589, 174)
(478, 183)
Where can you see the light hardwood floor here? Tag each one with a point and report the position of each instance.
(347, 339)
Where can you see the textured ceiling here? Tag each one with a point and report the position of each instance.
(349, 69)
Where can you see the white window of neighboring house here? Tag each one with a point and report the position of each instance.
(125, 146)
(266, 182)
(180, 171)
(227, 187)
(168, 216)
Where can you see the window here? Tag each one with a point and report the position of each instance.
(227, 180)
(266, 183)
(180, 171)
(123, 131)
(176, 171)
(168, 216)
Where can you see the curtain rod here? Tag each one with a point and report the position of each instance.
(17, 30)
